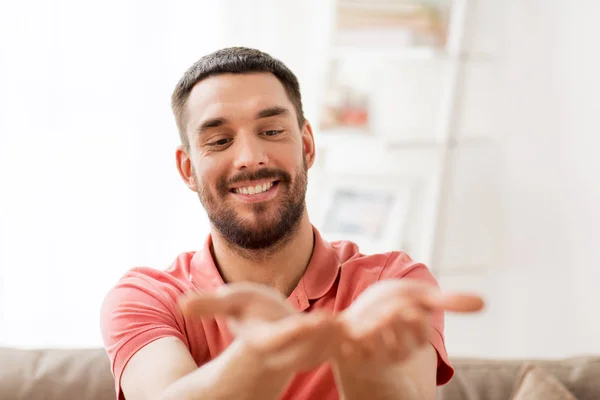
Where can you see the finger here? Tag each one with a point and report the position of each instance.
(356, 342)
(399, 331)
(390, 344)
(386, 315)
(422, 331)
(389, 337)
(210, 304)
(231, 300)
(454, 302)
(346, 348)
(403, 347)
(430, 296)
(306, 353)
(415, 321)
(362, 349)
(293, 328)
(411, 326)
(405, 324)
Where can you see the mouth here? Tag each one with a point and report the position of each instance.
(253, 190)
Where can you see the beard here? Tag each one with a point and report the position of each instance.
(268, 230)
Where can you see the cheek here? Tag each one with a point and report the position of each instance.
(208, 174)
(289, 159)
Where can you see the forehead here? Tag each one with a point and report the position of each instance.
(235, 96)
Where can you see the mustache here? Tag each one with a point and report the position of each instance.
(264, 173)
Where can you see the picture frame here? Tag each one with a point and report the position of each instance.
(372, 211)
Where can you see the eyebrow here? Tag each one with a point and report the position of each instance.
(210, 123)
(273, 112)
(220, 121)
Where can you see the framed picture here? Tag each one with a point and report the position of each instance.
(369, 211)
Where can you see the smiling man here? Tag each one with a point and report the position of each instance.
(268, 309)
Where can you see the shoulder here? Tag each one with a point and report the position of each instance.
(141, 308)
(382, 265)
(359, 270)
(145, 295)
(166, 283)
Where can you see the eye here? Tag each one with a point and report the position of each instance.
(220, 142)
(272, 132)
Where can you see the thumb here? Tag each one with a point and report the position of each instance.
(221, 302)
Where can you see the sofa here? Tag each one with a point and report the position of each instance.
(84, 374)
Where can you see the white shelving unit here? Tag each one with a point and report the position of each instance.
(451, 103)
(435, 152)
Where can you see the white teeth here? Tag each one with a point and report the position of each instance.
(254, 189)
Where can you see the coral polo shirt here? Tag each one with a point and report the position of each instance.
(142, 307)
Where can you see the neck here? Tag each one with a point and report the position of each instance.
(281, 267)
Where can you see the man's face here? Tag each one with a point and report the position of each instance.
(248, 158)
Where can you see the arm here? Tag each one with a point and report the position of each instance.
(236, 373)
(273, 342)
(414, 379)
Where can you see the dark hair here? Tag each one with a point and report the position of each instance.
(235, 60)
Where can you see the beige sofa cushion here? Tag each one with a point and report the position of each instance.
(480, 379)
(534, 383)
(55, 375)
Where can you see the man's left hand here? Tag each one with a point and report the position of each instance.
(390, 321)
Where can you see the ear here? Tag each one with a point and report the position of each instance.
(185, 168)
(308, 142)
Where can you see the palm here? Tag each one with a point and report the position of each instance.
(390, 319)
(261, 318)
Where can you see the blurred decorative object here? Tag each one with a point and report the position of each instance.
(367, 211)
(390, 23)
(345, 107)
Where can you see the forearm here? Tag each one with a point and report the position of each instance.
(361, 382)
(236, 373)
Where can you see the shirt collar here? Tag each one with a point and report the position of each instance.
(323, 268)
(320, 275)
(204, 272)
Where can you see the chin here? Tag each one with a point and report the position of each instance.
(259, 223)
(258, 211)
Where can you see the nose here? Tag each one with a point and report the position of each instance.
(250, 153)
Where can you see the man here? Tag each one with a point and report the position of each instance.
(268, 309)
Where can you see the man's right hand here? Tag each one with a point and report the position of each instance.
(272, 332)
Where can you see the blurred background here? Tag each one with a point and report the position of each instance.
(464, 132)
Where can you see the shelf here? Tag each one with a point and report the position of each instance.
(417, 53)
(392, 54)
(337, 139)
(344, 139)
(388, 6)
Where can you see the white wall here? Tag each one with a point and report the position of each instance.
(542, 295)
(580, 143)
(88, 183)
(87, 172)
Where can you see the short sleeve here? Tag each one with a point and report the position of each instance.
(135, 313)
(401, 266)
